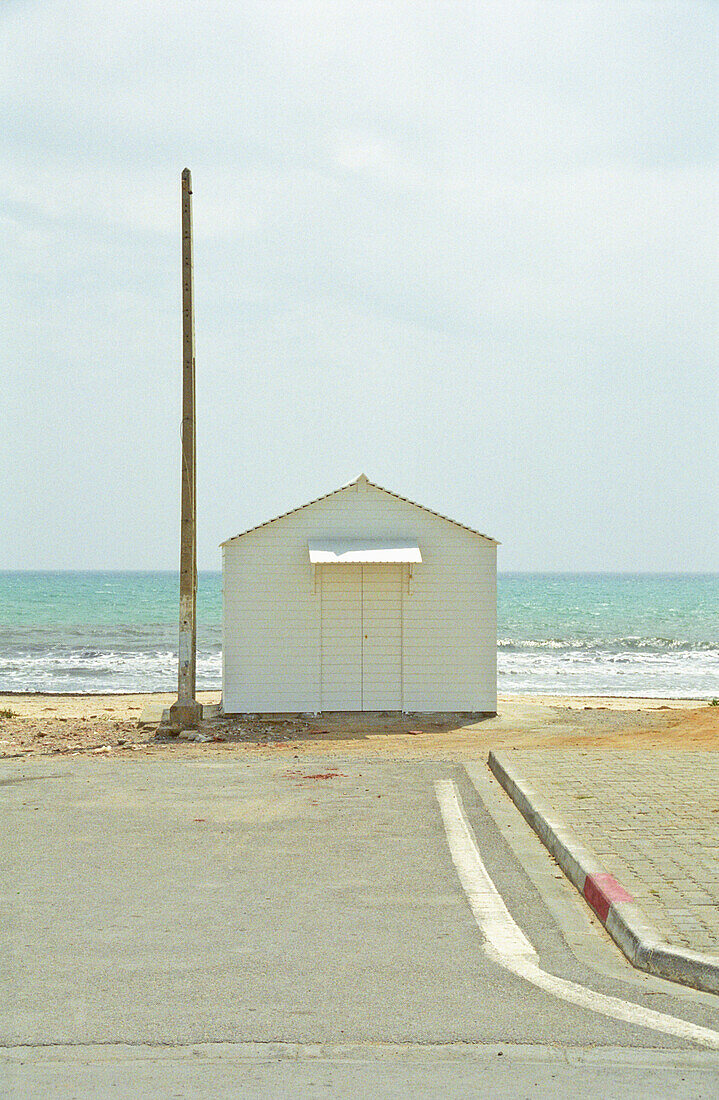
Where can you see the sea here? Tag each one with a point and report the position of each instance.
(558, 633)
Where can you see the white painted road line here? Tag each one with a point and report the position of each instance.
(506, 944)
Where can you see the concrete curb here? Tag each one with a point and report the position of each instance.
(155, 713)
(623, 919)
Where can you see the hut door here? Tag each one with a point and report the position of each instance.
(362, 637)
(342, 637)
(381, 637)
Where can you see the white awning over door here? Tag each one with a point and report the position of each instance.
(348, 551)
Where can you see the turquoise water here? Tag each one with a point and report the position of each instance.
(609, 634)
(615, 634)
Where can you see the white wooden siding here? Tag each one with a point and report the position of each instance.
(272, 610)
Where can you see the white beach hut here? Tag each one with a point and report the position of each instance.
(360, 600)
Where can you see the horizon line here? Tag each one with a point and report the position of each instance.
(500, 572)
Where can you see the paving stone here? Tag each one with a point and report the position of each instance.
(652, 817)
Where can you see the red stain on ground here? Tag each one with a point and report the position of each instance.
(323, 775)
(297, 775)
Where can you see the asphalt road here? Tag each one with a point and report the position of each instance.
(298, 928)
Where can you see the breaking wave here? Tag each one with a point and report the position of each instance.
(608, 645)
(80, 670)
(671, 672)
(551, 667)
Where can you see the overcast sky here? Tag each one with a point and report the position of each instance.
(467, 248)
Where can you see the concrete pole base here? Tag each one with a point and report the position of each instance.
(185, 714)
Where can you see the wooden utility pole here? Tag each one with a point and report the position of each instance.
(186, 712)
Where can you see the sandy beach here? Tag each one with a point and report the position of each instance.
(108, 725)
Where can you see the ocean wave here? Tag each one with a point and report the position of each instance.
(84, 669)
(669, 674)
(630, 644)
(542, 667)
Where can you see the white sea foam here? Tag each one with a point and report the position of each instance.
(526, 668)
(89, 670)
(669, 673)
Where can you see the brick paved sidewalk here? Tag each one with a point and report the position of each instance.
(652, 818)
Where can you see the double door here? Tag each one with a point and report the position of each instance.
(362, 637)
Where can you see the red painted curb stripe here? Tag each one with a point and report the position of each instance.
(601, 891)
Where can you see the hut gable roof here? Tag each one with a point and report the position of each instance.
(362, 480)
